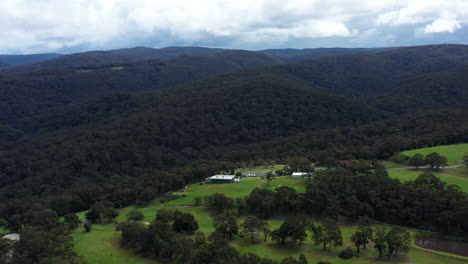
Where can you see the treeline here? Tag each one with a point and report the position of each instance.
(362, 189)
(44, 240)
(434, 160)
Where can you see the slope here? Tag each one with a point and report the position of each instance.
(26, 94)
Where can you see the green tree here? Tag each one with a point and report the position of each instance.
(87, 227)
(380, 240)
(269, 177)
(226, 225)
(135, 216)
(398, 240)
(362, 237)
(165, 215)
(240, 205)
(220, 202)
(302, 259)
(435, 160)
(252, 226)
(417, 160)
(327, 235)
(72, 221)
(184, 222)
(291, 230)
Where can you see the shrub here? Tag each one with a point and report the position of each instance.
(346, 254)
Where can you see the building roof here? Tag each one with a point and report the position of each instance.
(12, 237)
(223, 177)
(299, 173)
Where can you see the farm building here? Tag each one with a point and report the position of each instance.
(300, 174)
(222, 179)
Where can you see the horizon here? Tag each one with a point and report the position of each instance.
(255, 50)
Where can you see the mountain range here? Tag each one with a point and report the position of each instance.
(77, 119)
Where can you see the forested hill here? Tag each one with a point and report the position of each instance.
(22, 95)
(294, 55)
(69, 127)
(174, 128)
(15, 60)
(114, 56)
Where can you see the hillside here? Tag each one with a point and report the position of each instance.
(164, 133)
(429, 91)
(119, 56)
(16, 60)
(22, 95)
(294, 55)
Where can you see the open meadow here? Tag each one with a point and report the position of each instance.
(101, 245)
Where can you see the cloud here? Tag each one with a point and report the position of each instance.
(57, 25)
(443, 25)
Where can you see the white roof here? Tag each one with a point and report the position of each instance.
(223, 177)
(299, 173)
(12, 237)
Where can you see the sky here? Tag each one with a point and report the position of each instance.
(67, 26)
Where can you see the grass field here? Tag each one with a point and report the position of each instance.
(235, 190)
(458, 176)
(454, 153)
(100, 246)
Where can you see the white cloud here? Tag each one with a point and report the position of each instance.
(48, 25)
(442, 25)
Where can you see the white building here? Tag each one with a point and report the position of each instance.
(222, 179)
(300, 174)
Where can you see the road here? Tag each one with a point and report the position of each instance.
(426, 167)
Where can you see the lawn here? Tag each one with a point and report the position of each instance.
(235, 190)
(262, 168)
(458, 176)
(454, 153)
(100, 246)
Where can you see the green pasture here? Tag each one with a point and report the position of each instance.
(454, 153)
(458, 176)
(101, 246)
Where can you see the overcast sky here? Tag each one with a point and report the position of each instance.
(37, 26)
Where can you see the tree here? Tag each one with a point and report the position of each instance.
(332, 234)
(72, 221)
(135, 216)
(240, 205)
(165, 215)
(252, 226)
(226, 225)
(288, 260)
(302, 259)
(299, 164)
(261, 202)
(380, 240)
(417, 160)
(361, 237)
(184, 222)
(220, 202)
(435, 160)
(101, 212)
(291, 230)
(269, 177)
(327, 235)
(198, 201)
(398, 240)
(87, 227)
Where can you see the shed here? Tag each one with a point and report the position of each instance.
(222, 179)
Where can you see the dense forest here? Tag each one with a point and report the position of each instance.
(127, 126)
